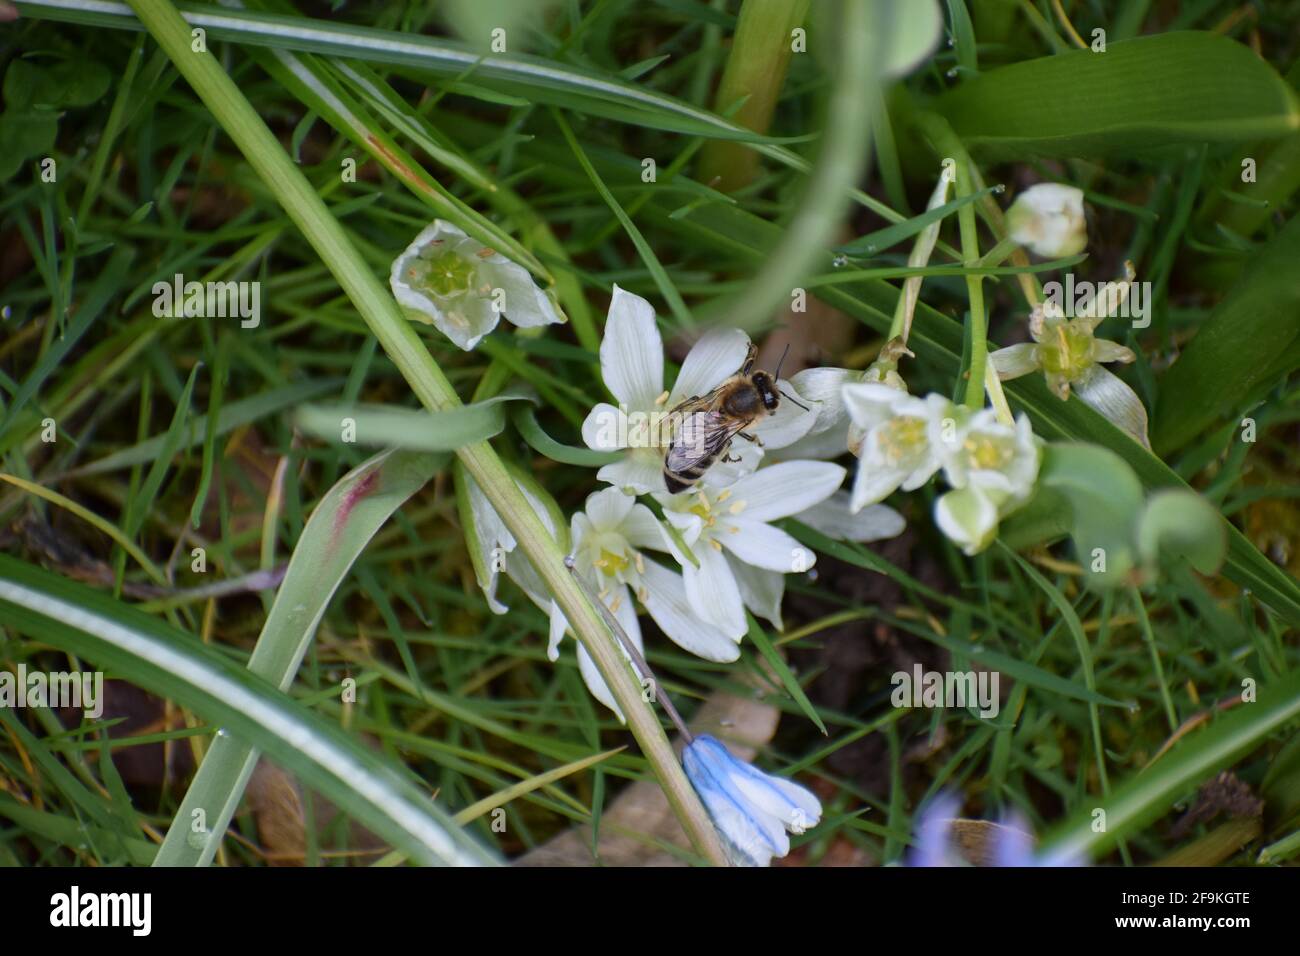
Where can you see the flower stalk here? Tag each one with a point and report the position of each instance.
(431, 386)
(982, 375)
(755, 72)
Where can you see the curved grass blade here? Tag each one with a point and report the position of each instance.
(1142, 799)
(534, 79)
(392, 427)
(337, 532)
(176, 665)
(232, 416)
(525, 419)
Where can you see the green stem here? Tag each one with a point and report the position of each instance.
(847, 139)
(981, 374)
(377, 307)
(755, 72)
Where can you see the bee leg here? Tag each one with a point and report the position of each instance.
(751, 438)
(729, 458)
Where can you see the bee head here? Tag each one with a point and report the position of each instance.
(765, 385)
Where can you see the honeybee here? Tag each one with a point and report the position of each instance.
(706, 424)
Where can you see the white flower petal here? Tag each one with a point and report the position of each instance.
(601, 428)
(968, 518)
(632, 351)
(712, 592)
(787, 424)
(1049, 219)
(559, 626)
(1111, 396)
(625, 612)
(761, 590)
(638, 471)
(820, 389)
(644, 531)
(1015, 360)
(870, 404)
(525, 304)
(666, 600)
(785, 489)
(835, 519)
(818, 445)
(873, 485)
(723, 474)
(766, 547)
(607, 508)
(717, 356)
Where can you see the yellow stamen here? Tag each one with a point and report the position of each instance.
(737, 507)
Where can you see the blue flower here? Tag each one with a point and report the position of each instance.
(1010, 843)
(752, 810)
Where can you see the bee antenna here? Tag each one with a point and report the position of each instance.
(777, 374)
(795, 400)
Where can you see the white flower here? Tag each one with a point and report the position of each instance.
(902, 439)
(1049, 220)
(632, 366)
(742, 559)
(823, 390)
(992, 468)
(608, 540)
(836, 519)
(1067, 350)
(1003, 459)
(446, 279)
(492, 546)
(751, 810)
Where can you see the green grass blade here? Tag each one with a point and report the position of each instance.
(1140, 94)
(349, 515)
(177, 666)
(1150, 793)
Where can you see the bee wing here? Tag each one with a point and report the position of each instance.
(699, 438)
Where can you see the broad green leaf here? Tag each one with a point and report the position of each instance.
(1170, 88)
(1184, 524)
(392, 427)
(57, 85)
(178, 666)
(1148, 794)
(338, 531)
(23, 134)
(1105, 499)
(1232, 358)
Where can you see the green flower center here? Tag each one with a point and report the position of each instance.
(988, 454)
(612, 564)
(441, 273)
(1066, 350)
(901, 438)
